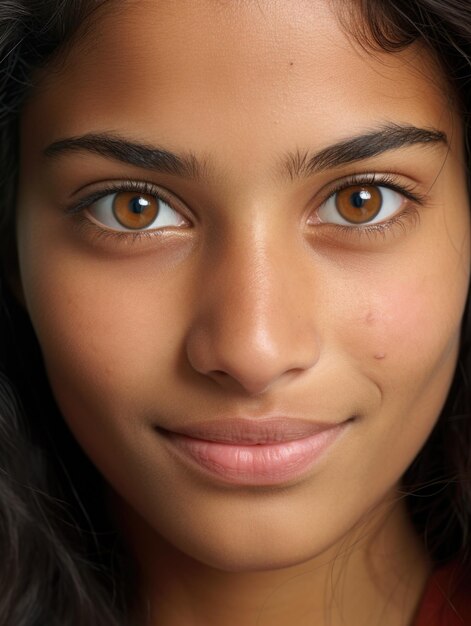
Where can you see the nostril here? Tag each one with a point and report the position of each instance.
(237, 382)
(220, 375)
(230, 381)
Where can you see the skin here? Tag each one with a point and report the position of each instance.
(249, 307)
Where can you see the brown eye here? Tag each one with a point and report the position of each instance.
(359, 204)
(135, 210)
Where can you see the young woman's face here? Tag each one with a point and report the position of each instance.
(310, 261)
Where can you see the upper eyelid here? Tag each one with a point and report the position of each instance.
(386, 179)
(122, 186)
(326, 191)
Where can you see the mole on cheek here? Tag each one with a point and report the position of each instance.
(370, 318)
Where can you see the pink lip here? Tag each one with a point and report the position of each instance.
(254, 452)
(251, 431)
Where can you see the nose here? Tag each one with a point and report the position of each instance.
(254, 324)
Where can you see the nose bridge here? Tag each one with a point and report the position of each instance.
(252, 324)
(247, 285)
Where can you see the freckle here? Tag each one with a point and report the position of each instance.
(380, 356)
(291, 63)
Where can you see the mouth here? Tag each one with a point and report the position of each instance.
(252, 431)
(254, 452)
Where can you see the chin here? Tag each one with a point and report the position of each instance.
(238, 558)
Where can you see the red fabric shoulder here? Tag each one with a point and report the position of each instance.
(446, 600)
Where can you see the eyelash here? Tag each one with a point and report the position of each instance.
(390, 181)
(84, 224)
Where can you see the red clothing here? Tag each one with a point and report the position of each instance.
(446, 600)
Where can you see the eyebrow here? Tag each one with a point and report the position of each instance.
(132, 153)
(295, 165)
(360, 147)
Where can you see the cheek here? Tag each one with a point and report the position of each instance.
(414, 325)
(109, 330)
(408, 333)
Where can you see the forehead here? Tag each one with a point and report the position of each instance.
(255, 72)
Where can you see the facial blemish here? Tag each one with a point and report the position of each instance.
(380, 355)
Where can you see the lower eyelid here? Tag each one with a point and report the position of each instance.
(406, 219)
(93, 231)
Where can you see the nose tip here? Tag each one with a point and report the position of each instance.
(249, 362)
(255, 323)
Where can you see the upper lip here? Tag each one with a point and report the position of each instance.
(251, 431)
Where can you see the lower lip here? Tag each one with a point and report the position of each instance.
(265, 464)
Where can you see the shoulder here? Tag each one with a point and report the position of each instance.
(446, 600)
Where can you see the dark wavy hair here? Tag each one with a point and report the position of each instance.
(62, 560)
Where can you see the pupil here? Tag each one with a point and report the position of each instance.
(359, 198)
(138, 205)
